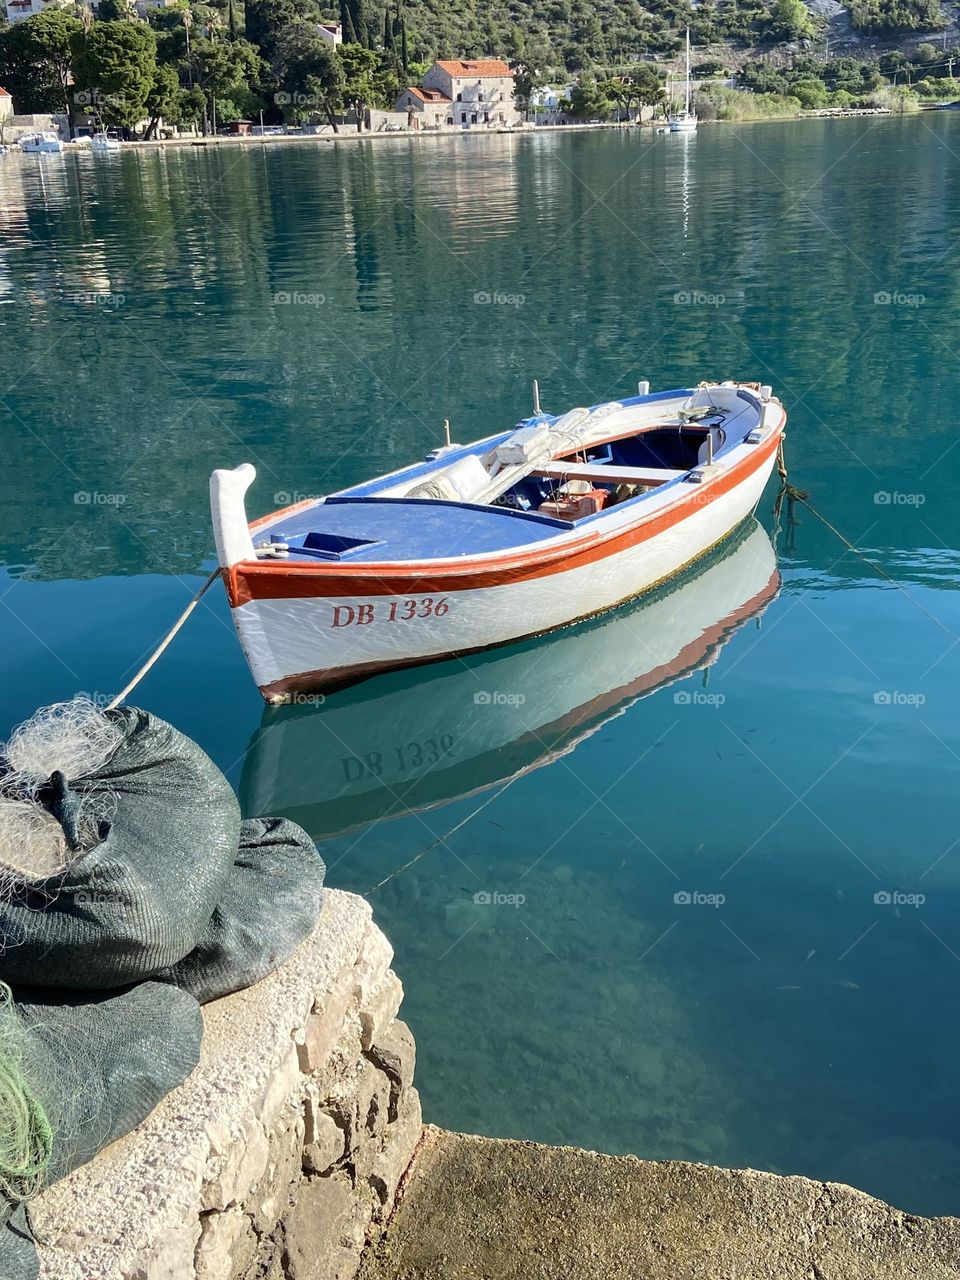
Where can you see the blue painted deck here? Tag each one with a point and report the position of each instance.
(412, 529)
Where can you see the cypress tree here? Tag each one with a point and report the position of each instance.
(346, 22)
(360, 22)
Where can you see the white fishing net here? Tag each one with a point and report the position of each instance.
(73, 738)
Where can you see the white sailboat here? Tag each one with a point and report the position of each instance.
(684, 121)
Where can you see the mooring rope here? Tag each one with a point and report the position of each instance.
(793, 494)
(442, 839)
(164, 643)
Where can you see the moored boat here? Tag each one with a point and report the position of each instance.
(483, 544)
(40, 144)
(414, 740)
(684, 121)
(103, 142)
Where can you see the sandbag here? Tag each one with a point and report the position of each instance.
(141, 898)
(269, 905)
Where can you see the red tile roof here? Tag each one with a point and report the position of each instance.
(3, 92)
(428, 95)
(482, 68)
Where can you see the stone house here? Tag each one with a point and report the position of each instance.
(462, 93)
(17, 10)
(6, 105)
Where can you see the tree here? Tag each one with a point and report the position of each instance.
(404, 51)
(114, 10)
(362, 75)
(353, 19)
(790, 20)
(811, 93)
(225, 69)
(264, 19)
(35, 58)
(588, 101)
(114, 66)
(308, 74)
(645, 86)
(708, 69)
(164, 101)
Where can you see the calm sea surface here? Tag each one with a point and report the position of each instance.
(715, 914)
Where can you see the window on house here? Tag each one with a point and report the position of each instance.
(479, 97)
(449, 119)
(473, 117)
(463, 117)
(459, 97)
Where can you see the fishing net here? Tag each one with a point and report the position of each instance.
(122, 858)
(270, 903)
(117, 836)
(76, 1073)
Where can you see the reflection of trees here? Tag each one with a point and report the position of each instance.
(203, 362)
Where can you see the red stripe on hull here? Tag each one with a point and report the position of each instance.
(250, 580)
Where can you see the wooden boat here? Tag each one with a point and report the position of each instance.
(483, 544)
(416, 739)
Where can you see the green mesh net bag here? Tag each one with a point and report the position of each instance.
(147, 840)
(269, 904)
(78, 1072)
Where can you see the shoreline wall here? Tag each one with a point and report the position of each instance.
(281, 1155)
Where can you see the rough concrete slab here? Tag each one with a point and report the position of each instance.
(486, 1209)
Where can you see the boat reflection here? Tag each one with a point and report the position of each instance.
(414, 739)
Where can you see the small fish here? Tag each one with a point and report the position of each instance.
(496, 824)
(851, 986)
(810, 955)
(797, 988)
(840, 894)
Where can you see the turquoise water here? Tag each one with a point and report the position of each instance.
(791, 748)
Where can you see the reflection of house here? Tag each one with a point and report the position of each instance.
(462, 92)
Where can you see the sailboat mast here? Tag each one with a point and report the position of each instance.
(688, 73)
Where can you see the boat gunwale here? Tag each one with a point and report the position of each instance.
(535, 555)
(369, 488)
